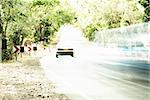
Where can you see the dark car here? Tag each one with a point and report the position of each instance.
(64, 48)
(64, 51)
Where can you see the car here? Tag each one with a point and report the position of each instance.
(65, 51)
(64, 48)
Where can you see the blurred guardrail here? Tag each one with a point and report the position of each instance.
(133, 41)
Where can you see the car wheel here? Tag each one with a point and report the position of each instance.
(72, 55)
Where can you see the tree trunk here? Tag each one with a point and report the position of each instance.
(7, 21)
(21, 42)
(1, 25)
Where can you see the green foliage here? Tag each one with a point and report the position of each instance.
(90, 31)
(1, 25)
(107, 14)
(7, 55)
(40, 19)
(45, 2)
(49, 24)
(146, 5)
(35, 20)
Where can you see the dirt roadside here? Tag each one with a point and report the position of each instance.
(26, 80)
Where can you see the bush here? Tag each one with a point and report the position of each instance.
(90, 32)
(7, 55)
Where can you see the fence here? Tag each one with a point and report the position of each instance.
(124, 35)
(133, 40)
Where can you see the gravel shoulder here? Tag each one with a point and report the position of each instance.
(26, 80)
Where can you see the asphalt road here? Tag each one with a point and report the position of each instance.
(92, 76)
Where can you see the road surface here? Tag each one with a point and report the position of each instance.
(97, 73)
(97, 77)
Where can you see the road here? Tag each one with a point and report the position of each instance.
(97, 73)
(91, 76)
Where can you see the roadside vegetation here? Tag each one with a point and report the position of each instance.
(39, 20)
(33, 20)
(100, 15)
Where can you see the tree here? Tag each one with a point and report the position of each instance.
(35, 20)
(146, 5)
(106, 14)
(47, 17)
(7, 16)
(1, 23)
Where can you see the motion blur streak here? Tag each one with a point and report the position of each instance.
(97, 73)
